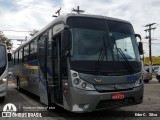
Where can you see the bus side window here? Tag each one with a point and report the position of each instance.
(49, 50)
(33, 50)
(20, 55)
(14, 58)
(26, 53)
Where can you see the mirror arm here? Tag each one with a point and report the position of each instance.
(138, 35)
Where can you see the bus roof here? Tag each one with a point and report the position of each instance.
(63, 19)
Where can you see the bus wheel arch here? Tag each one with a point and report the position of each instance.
(146, 81)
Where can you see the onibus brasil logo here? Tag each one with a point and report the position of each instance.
(8, 110)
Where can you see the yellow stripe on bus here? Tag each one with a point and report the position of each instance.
(30, 67)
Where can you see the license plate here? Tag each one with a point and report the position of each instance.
(118, 96)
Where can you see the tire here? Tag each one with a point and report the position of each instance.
(2, 98)
(158, 77)
(146, 81)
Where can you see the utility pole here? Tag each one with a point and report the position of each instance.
(78, 10)
(150, 47)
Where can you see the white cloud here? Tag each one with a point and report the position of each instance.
(26, 16)
(138, 12)
(30, 14)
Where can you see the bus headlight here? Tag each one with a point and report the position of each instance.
(3, 80)
(79, 83)
(74, 74)
(138, 83)
(76, 81)
(84, 84)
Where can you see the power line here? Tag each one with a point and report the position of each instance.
(15, 30)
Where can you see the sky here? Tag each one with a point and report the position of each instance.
(18, 17)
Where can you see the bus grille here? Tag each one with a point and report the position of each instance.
(107, 104)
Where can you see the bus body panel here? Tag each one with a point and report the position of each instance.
(79, 100)
(42, 89)
(27, 75)
(30, 79)
(86, 101)
(4, 86)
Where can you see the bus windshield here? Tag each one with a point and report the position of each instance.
(2, 56)
(113, 37)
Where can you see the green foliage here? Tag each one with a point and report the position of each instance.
(5, 40)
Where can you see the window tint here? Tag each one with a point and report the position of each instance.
(2, 56)
(119, 27)
(20, 55)
(89, 23)
(16, 57)
(49, 52)
(42, 54)
(33, 50)
(26, 53)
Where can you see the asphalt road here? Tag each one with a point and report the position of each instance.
(26, 103)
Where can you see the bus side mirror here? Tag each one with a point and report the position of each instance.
(9, 57)
(66, 42)
(140, 47)
(140, 44)
(138, 35)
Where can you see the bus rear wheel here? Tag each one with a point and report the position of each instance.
(2, 98)
(146, 81)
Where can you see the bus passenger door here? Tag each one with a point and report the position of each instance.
(50, 69)
(56, 69)
(42, 70)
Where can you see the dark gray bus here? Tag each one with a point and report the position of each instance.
(82, 63)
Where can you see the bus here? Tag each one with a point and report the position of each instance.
(3, 70)
(82, 63)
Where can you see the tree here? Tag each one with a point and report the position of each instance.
(5, 40)
(33, 32)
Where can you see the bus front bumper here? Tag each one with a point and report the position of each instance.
(87, 101)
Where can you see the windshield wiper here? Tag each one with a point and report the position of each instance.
(129, 66)
(102, 54)
(99, 61)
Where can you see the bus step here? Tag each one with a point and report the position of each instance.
(60, 104)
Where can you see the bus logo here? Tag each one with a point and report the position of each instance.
(98, 80)
(132, 78)
(8, 109)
